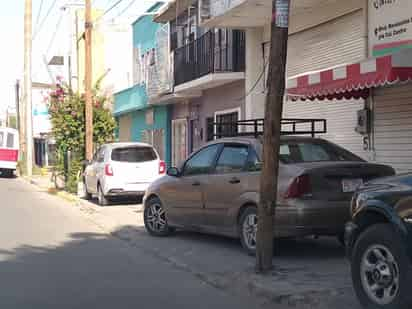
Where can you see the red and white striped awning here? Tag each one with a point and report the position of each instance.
(353, 80)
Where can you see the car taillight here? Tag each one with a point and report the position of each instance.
(300, 187)
(162, 167)
(108, 170)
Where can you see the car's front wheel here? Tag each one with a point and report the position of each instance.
(380, 268)
(155, 219)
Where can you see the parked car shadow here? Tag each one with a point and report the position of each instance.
(310, 248)
(122, 201)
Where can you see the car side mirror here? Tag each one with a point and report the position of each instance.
(173, 171)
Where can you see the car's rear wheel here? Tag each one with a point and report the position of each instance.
(380, 268)
(101, 198)
(155, 219)
(87, 195)
(248, 229)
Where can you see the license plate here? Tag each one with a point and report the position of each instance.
(351, 185)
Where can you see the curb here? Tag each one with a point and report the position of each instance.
(52, 191)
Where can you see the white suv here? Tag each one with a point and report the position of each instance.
(122, 169)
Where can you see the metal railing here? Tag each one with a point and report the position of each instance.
(213, 52)
(255, 127)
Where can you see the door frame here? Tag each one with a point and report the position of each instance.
(185, 122)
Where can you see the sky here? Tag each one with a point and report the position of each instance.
(50, 36)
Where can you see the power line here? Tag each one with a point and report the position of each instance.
(44, 19)
(125, 9)
(109, 9)
(39, 14)
(54, 34)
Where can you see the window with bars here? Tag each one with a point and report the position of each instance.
(226, 124)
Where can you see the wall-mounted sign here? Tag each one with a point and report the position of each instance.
(390, 26)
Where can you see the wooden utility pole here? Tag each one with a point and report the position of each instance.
(27, 87)
(17, 98)
(88, 80)
(272, 131)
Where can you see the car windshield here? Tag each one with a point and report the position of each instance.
(134, 154)
(313, 151)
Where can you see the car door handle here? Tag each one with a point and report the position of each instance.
(234, 180)
(196, 184)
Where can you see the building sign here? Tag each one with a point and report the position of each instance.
(282, 13)
(390, 26)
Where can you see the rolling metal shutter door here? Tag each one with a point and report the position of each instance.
(125, 128)
(393, 126)
(334, 43)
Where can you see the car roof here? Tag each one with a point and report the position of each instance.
(258, 140)
(129, 144)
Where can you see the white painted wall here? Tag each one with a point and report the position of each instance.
(254, 83)
(118, 57)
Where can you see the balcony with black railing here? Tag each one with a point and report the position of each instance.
(221, 51)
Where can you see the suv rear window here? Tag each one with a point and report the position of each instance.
(134, 154)
(313, 151)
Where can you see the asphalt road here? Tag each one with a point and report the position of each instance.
(52, 257)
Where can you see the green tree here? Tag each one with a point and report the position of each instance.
(67, 113)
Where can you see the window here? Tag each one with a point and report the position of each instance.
(253, 163)
(318, 151)
(227, 124)
(10, 140)
(1, 139)
(134, 154)
(232, 159)
(201, 162)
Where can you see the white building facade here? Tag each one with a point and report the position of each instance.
(346, 62)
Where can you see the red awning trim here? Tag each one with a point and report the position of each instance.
(353, 80)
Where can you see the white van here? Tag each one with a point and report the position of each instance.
(9, 151)
(122, 169)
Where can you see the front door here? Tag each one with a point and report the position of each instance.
(184, 196)
(225, 187)
(179, 141)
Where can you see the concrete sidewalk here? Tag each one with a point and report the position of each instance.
(308, 273)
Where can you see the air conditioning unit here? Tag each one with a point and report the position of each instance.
(204, 10)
